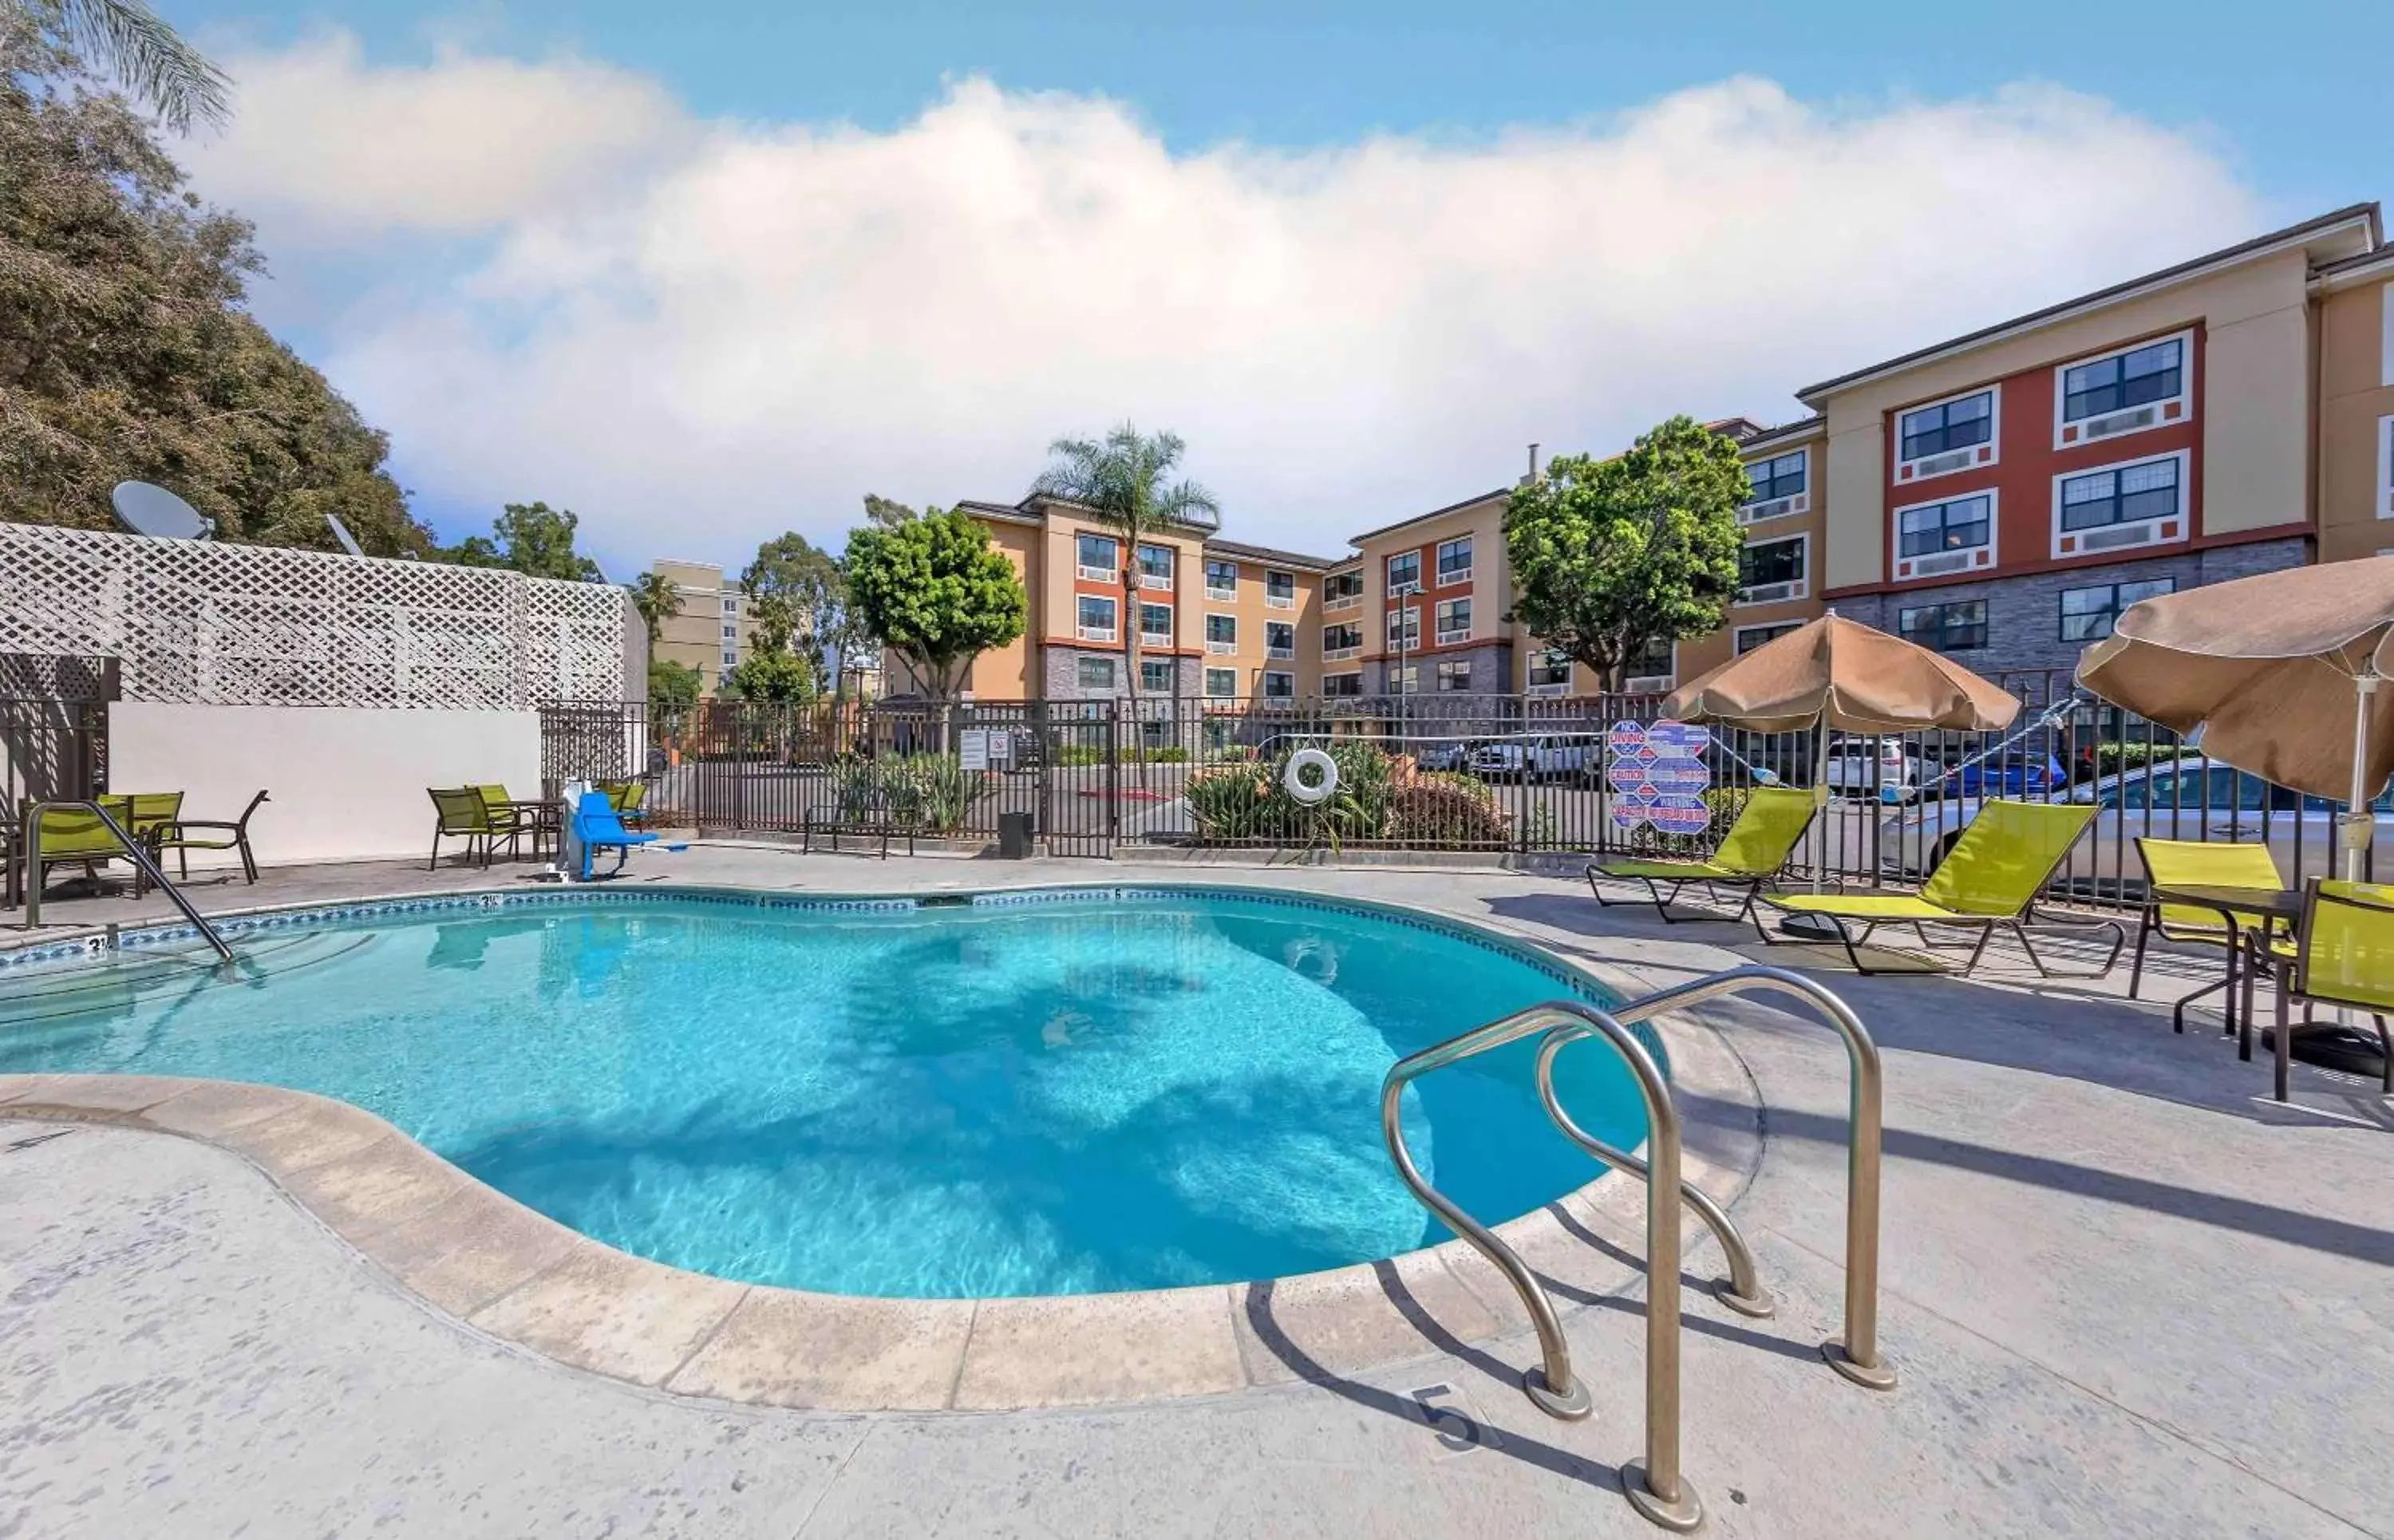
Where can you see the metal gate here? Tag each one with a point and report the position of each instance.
(1081, 790)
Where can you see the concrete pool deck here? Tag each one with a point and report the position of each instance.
(2127, 1295)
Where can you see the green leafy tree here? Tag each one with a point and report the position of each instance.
(531, 538)
(1123, 481)
(673, 685)
(147, 57)
(795, 592)
(934, 591)
(1611, 556)
(775, 678)
(658, 599)
(886, 513)
(126, 351)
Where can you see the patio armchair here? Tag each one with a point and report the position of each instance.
(186, 835)
(462, 814)
(627, 798)
(152, 811)
(1765, 834)
(73, 836)
(507, 820)
(2200, 864)
(1988, 881)
(2342, 954)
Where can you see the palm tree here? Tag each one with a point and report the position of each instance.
(148, 58)
(658, 599)
(1120, 483)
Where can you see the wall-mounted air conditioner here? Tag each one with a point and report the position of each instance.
(1770, 593)
(1943, 563)
(2117, 537)
(1938, 465)
(2112, 422)
(1775, 508)
(1652, 684)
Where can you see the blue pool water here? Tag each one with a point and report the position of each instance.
(1034, 1099)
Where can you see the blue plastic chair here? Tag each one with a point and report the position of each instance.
(599, 828)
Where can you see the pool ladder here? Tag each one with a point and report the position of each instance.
(1654, 1484)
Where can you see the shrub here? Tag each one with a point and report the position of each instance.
(929, 792)
(1234, 803)
(1444, 809)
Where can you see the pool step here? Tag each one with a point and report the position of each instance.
(126, 979)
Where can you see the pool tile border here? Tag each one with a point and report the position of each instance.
(475, 1255)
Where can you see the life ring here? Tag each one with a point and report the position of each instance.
(1310, 791)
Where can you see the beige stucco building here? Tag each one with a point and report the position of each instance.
(713, 632)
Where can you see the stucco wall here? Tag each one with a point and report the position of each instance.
(348, 785)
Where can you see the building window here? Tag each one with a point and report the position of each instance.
(1221, 580)
(1453, 619)
(1279, 590)
(1099, 558)
(1342, 588)
(1097, 673)
(1279, 687)
(1774, 479)
(1156, 622)
(730, 658)
(2129, 495)
(1404, 572)
(1096, 618)
(731, 632)
(1155, 675)
(2386, 436)
(1405, 680)
(1221, 633)
(1771, 570)
(1658, 659)
(1221, 683)
(1947, 426)
(1453, 674)
(1404, 627)
(731, 605)
(1336, 686)
(1550, 669)
(1155, 566)
(1747, 638)
(1280, 639)
(2153, 373)
(2088, 615)
(1955, 627)
(1962, 524)
(1455, 561)
(1343, 640)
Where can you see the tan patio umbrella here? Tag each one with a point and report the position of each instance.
(2280, 673)
(1834, 673)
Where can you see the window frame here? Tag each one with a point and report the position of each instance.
(1404, 680)
(1799, 586)
(1229, 643)
(1629, 669)
(1222, 590)
(1776, 628)
(1548, 660)
(1802, 458)
(1341, 601)
(1451, 668)
(1231, 675)
(1085, 569)
(2162, 417)
(1907, 632)
(1395, 585)
(1907, 471)
(1448, 635)
(1461, 573)
(1333, 644)
(1341, 690)
(1985, 556)
(1273, 597)
(1146, 636)
(1088, 662)
(1404, 620)
(1281, 649)
(1150, 579)
(1287, 692)
(2111, 614)
(1149, 666)
(1110, 631)
(2183, 516)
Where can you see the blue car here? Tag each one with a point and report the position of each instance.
(2006, 775)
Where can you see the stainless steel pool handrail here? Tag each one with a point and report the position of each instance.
(31, 839)
(1857, 1357)
(1654, 1485)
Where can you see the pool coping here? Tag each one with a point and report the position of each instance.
(480, 1257)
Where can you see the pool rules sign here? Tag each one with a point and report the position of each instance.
(1657, 775)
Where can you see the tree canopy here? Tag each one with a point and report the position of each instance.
(795, 592)
(148, 58)
(1611, 556)
(936, 593)
(126, 351)
(673, 685)
(533, 539)
(658, 599)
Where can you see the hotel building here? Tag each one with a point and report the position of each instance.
(713, 632)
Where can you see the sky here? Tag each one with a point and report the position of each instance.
(705, 273)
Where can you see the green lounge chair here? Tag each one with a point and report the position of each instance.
(1989, 879)
(463, 814)
(2342, 955)
(1757, 846)
(77, 837)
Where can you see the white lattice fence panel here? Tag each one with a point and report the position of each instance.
(192, 621)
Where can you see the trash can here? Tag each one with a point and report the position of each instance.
(1013, 836)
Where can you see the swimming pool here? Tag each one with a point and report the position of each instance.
(1050, 1091)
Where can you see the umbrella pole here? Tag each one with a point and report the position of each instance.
(2360, 823)
(1820, 802)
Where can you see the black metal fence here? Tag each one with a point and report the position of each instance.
(1496, 775)
(53, 728)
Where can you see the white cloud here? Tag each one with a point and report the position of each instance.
(699, 336)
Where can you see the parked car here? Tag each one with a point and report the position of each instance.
(1540, 756)
(1446, 754)
(2009, 775)
(2183, 798)
(1895, 777)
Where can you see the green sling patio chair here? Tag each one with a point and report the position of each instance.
(1989, 880)
(2198, 863)
(2343, 955)
(626, 797)
(463, 814)
(152, 811)
(77, 837)
(186, 835)
(507, 820)
(1757, 846)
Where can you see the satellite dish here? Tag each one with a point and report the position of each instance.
(341, 533)
(158, 513)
